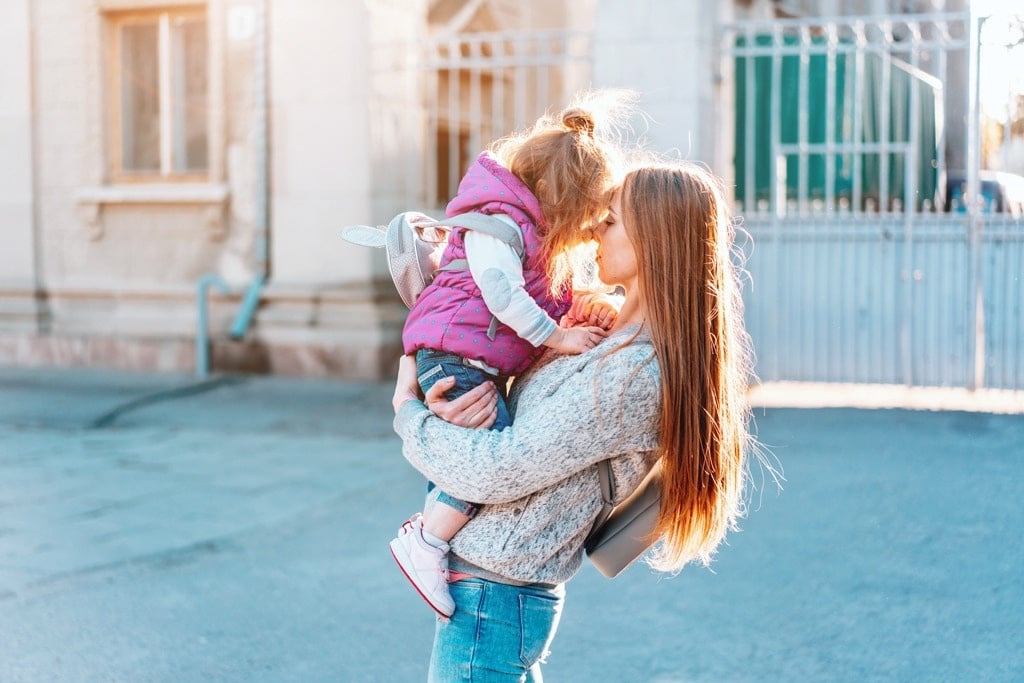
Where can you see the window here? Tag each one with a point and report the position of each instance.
(159, 95)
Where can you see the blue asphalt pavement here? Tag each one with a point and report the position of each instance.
(153, 528)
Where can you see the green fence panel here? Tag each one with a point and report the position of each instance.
(904, 84)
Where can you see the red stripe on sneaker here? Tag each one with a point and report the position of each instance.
(417, 588)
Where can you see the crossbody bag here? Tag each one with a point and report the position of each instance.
(622, 533)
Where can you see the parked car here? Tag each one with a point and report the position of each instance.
(1000, 192)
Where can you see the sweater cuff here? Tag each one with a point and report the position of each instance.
(408, 413)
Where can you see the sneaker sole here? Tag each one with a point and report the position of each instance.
(412, 583)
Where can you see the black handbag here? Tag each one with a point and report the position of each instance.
(622, 533)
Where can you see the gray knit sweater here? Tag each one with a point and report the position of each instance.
(538, 479)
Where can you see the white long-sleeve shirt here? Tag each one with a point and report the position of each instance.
(498, 272)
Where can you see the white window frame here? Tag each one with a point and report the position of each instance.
(163, 16)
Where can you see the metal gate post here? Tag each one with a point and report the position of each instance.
(977, 378)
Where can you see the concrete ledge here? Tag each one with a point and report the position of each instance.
(338, 358)
(343, 331)
(819, 395)
(154, 193)
(356, 362)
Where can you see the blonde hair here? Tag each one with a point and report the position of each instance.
(676, 217)
(570, 163)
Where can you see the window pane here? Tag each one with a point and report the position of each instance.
(188, 88)
(140, 98)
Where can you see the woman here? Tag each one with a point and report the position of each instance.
(669, 383)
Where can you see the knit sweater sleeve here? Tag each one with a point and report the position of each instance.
(607, 408)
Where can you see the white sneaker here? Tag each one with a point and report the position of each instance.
(425, 566)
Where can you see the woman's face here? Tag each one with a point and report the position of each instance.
(616, 259)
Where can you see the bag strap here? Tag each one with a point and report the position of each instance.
(604, 473)
(498, 226)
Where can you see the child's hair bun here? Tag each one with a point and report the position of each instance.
(578, 120)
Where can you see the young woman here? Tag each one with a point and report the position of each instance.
(491, 319)
(668, 383)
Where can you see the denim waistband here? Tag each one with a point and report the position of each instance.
(435, 356)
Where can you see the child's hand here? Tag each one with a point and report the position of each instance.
(599, 310)
(575, 339)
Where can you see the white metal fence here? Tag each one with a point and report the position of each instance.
(859, 299)
(482, 86)
(471, 89)
(847, 131)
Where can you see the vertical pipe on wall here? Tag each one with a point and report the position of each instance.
(42, 301)
(251, 300)
(260, 104)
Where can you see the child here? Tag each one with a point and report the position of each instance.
(488, 323)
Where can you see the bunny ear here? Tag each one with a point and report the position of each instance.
(363, 235)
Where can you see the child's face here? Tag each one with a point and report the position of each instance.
(587, 232)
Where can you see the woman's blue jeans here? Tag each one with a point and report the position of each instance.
(499, 633)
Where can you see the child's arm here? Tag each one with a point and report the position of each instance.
(575, 339)
(498, 273)
(593, 308)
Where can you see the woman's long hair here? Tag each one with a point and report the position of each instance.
(678, 222)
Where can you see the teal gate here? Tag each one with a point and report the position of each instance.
(846, 131)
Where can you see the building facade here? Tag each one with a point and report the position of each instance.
(176, 171)
(166, 156)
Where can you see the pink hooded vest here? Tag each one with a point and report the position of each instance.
(450, 314)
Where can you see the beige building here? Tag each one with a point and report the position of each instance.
(151, 145)
(160, 155)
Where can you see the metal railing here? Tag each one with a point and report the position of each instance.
(469, 90)
(844, 131)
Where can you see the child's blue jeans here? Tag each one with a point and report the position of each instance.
(434, 365)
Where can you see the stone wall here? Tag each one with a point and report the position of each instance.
(103, 273)
(666, 51)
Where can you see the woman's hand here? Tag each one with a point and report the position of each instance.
(407, 385)
(476, 409)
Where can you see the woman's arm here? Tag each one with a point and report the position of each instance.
(577, 425)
